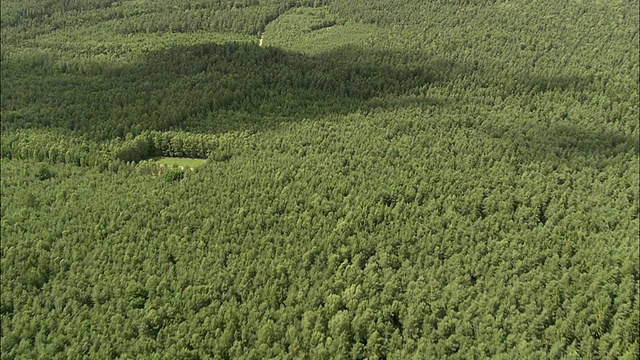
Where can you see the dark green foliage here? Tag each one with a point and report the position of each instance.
(136, 295)
(200, 87)
(44, 173)
(386, 179)
(173, 175)
(135, 149)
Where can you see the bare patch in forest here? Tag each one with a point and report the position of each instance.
(179, 162)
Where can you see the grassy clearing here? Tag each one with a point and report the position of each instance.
(180, 162)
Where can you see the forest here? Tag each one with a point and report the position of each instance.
(319, 179)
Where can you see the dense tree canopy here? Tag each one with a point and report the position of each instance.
(384, 179)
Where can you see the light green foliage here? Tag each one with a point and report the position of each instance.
(423, 179)
(316, 30)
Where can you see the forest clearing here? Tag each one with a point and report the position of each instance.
(179, 162)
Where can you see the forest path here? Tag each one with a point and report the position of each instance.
(261, 39)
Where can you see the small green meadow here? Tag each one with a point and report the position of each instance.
(179, 162)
